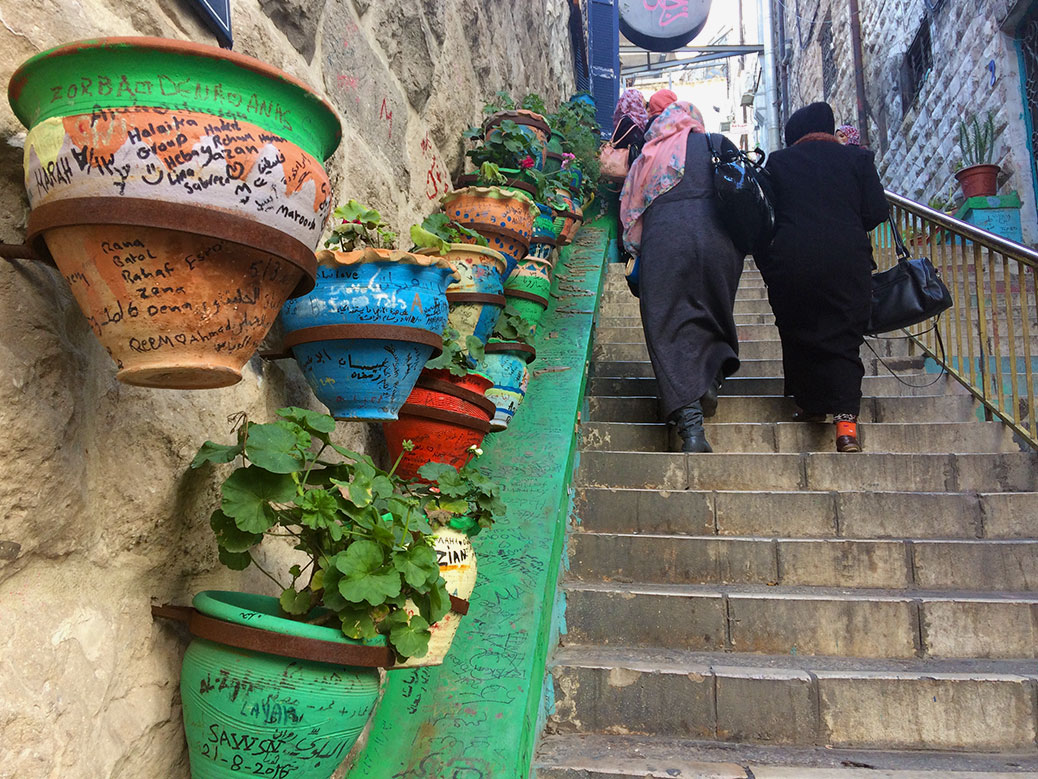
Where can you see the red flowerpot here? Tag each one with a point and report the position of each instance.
(444, 417)
(978, 180)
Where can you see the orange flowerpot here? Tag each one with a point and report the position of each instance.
(505, 219)
(978, 180)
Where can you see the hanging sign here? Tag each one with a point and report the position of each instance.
(662, 25)
(217, 16)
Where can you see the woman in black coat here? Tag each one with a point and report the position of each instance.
(818, 267)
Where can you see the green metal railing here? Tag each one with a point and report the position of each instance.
(990, 335)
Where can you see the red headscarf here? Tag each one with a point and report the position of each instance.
(661, 100)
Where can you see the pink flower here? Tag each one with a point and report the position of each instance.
(567, 158)
(526, 163)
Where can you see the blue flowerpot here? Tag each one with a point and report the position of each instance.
(476, 299)
(366, 331)
(505, 364)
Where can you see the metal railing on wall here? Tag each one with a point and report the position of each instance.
(990, 335)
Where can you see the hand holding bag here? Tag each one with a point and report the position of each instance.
(613, 162)
(907, 294)
(743, 195)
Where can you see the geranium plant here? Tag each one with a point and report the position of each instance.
(513, 326)
(439, 231)
(363, 530)
(465, 499)
(460, 358)
(359, 226)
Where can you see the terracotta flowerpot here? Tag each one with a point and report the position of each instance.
(505, 219)
(366, 331)
(457, 560)
(506, 363)
(476, 299)
(443, 417)
(179, 190)
(978, 180)
(531, 124)
(571, 218)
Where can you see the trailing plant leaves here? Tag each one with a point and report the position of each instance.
(365, 575)
(229, 536)
(236, 561)
(293, 602)
(248, 493)
(433, 605)
(312, 421)
(275, 447)
(211, 452)
(409, 637)
(320, 509)
(417, 565)
(357, 622)
(423, 239)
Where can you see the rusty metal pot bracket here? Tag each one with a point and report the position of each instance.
(21, 251)
(257, 640)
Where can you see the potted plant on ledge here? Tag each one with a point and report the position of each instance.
(977, 176)
(373, 320)
(297, 671)
(506, 364)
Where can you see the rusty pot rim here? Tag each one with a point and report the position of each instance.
(468, 248)
(529, 118)
(450, 417)
(496, 193)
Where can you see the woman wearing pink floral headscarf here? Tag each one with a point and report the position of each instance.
(848, 135)
(629, 120)
(689, 269)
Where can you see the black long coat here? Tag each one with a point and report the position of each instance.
(688, 275)
(818, 268)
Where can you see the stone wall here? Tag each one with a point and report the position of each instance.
(98, 515)
(917, 149)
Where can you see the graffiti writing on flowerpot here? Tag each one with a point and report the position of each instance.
(179, 157)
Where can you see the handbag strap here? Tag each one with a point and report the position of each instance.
(614, 140)
(940, 346)
(899, 243)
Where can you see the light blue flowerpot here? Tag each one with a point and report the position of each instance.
(366, 331)
(506, 364)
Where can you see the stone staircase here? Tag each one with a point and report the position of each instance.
(777, 609)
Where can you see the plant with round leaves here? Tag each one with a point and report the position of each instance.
(439, 231)
(359, 226)
(363, 529)
(460, 358)
(506, 145)
(575, 122)
(513, 326)
(465, 499)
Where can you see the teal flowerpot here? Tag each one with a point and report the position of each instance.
(543, 241)
(249, 713)
(529, 305)
(506, 364)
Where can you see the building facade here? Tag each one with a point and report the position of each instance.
(926, 65)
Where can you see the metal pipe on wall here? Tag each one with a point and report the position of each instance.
(767, 37)
(859, 72)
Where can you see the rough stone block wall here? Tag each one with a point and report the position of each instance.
(917, 149)
(98, 515)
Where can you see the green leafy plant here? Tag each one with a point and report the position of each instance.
(534, 102)
(977, 140)
(505, 144)
(359, 226)
(501, 101)
(460, 358)
(363, 529)
(438, 231)
(513, 326)
(575, 122)
(465, 499)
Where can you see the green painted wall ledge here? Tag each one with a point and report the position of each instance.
(475, 716)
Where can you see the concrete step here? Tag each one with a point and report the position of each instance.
(978, 564)
(975, 437)
(607, 320)
(801, 700)
(769, 367)
(753, 350)
(805, 514)
(774, 408)
(747, 332)
(593, 756)
(628, 306)
(802, 620)
(907, 384)
(1001, 472)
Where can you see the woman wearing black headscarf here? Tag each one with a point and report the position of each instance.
(818, 267)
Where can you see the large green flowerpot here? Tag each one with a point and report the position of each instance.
(249, 713)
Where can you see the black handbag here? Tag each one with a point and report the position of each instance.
(743, 196)
(907, 294)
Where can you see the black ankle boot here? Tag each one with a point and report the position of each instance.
(689, 421)
(709, 399)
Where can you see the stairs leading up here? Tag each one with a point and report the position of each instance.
(778, 610)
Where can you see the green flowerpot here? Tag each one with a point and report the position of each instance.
(249, 713)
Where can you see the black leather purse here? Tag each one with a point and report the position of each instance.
(907, 294)
(743, 196)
